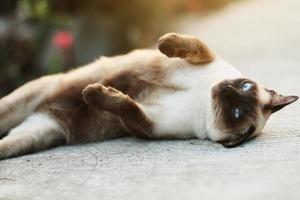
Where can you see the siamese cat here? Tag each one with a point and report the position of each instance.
(181, 90)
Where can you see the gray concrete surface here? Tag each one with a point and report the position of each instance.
(262, 38)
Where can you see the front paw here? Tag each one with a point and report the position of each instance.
(93, 93)
(101, 96)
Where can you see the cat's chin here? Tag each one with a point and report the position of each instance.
(238, 140)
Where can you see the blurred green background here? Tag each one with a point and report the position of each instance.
(40, 37)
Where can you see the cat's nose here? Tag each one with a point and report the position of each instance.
(228, 86)
(229, 89)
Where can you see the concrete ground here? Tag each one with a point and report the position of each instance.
(260, 37)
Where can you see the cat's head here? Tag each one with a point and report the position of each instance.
(241, 108)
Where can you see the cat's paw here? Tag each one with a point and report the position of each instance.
(169, 43)
(189, 48)
(94, 93)
(102, 96)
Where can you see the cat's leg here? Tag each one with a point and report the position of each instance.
(130, 112)
(187, 47)
(38, 132)
(16, 106)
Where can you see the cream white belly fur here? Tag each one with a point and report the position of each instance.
(187, 113)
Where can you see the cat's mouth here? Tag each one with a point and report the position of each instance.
(240, 139)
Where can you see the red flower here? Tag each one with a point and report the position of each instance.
(63, 39)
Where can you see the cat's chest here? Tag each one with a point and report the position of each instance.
(183, 112)
(173, 112)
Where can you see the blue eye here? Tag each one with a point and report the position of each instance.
(237, 113)
(246, 86)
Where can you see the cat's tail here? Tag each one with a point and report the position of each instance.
(19, 104)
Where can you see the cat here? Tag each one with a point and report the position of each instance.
(180, 90)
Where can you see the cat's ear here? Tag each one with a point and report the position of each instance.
(280, 101)
(187, 47)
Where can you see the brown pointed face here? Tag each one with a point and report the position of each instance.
(241, 108)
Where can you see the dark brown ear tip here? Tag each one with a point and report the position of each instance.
(296, 98)
(282, 101)
(293, 98)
